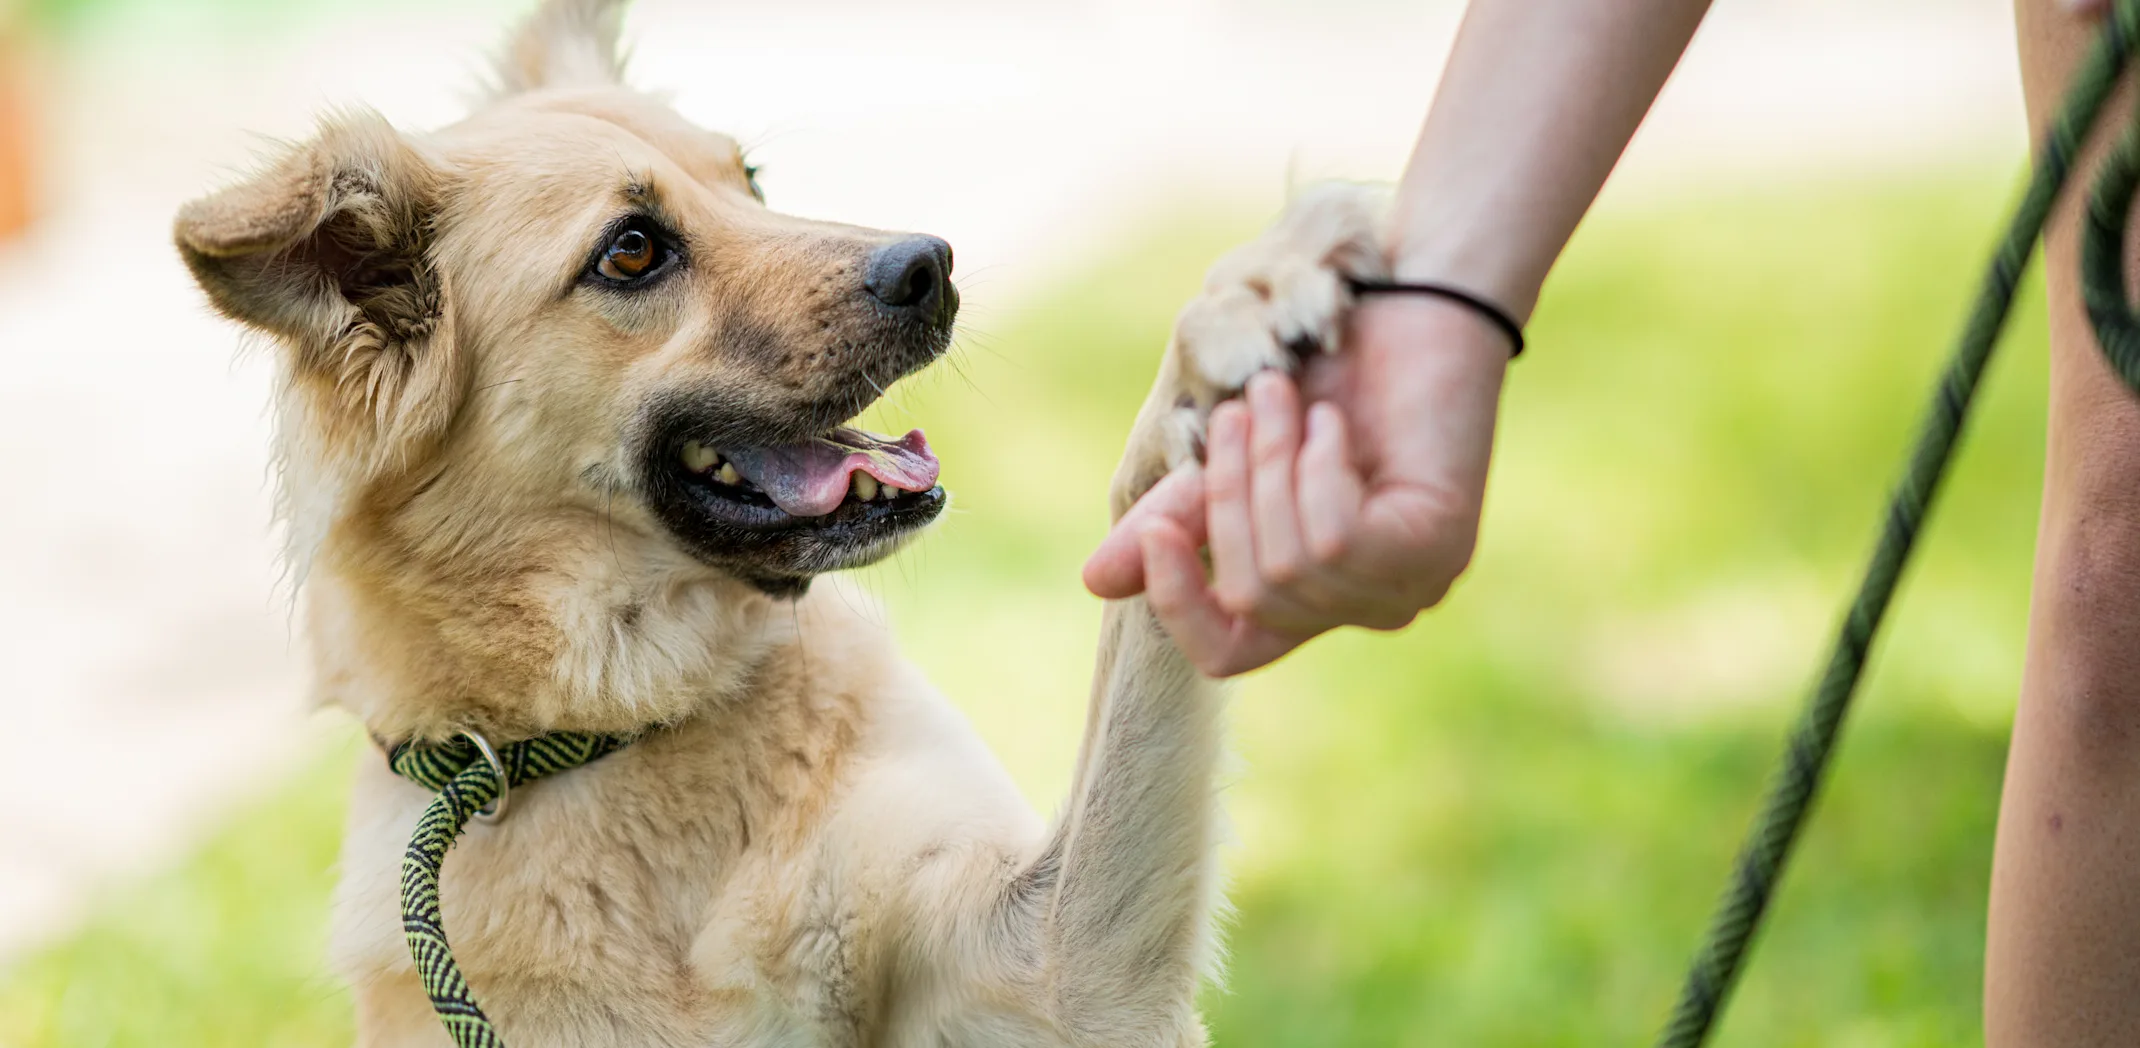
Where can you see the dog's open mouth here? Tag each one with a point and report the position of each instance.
(845, 477)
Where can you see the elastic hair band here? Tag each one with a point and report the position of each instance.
(1493, 314)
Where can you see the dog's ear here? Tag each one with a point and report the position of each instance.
(328, 251)
(327, 245)
(565, 43)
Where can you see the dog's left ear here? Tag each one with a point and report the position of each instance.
(565, 43)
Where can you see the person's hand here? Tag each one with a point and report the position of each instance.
(1362, 510)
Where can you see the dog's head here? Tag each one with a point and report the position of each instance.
(580, 297)
(568, 330)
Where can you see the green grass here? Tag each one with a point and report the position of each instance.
(1506, 825)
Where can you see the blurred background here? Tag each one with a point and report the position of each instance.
(1504, 826)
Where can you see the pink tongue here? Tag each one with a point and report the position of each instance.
(810, 479)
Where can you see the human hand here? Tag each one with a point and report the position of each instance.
(1361, 510)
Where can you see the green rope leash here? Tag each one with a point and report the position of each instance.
(466, 774)
(1761, 858)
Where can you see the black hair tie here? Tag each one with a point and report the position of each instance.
(1493, 314)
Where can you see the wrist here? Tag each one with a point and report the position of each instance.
(1488, 311)
(1453, 330)
(1491, 268)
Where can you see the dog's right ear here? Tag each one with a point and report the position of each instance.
(328, 250)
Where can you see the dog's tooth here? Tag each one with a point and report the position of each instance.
(698, 458)
(865, 486)
(728, 474)
(891, 492)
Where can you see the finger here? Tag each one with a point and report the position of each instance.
(1229, 530)
(1274, 444)
(1284, 594)
(1330, 487)
(1230, 527)
(1116, 568)
(1176, 590)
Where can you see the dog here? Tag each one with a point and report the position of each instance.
(562, 443)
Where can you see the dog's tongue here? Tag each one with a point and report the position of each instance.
(809, 479)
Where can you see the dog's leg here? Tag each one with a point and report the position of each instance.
(1124, 892)
(1124, 895)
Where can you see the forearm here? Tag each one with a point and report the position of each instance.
(1535, 106)
(1125, 883)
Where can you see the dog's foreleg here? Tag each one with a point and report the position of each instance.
(1112, 923)
(1122, 898)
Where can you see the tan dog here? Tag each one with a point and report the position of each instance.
(561, 448)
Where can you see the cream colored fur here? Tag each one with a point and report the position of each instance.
(810, 846)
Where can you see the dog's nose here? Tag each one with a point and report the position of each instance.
(911, 273)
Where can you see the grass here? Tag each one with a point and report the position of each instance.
(1506, 825)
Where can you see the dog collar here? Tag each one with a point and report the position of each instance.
(470, 776)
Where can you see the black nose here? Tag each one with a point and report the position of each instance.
(911, 273)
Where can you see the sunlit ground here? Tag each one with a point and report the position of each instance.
(1505, 825)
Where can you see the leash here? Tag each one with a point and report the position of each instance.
(1767, 847)
(470, 777)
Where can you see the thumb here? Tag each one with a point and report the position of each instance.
(1116, 569)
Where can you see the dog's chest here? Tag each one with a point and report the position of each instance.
(580, 914)
(748, 959)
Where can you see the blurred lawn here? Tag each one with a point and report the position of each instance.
(1505, 826)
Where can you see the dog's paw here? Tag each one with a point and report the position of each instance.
(1268, 304)
(1271, 303)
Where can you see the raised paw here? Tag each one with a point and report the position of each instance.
(1267, 304)
(1282, 296)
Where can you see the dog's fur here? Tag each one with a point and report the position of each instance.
(808, 846)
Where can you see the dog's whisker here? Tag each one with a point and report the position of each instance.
(983, 341)
(973, 278)
(958, 367)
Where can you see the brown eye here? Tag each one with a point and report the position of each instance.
(631, 254)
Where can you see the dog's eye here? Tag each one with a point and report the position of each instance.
(750, 174)
(633, 253)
